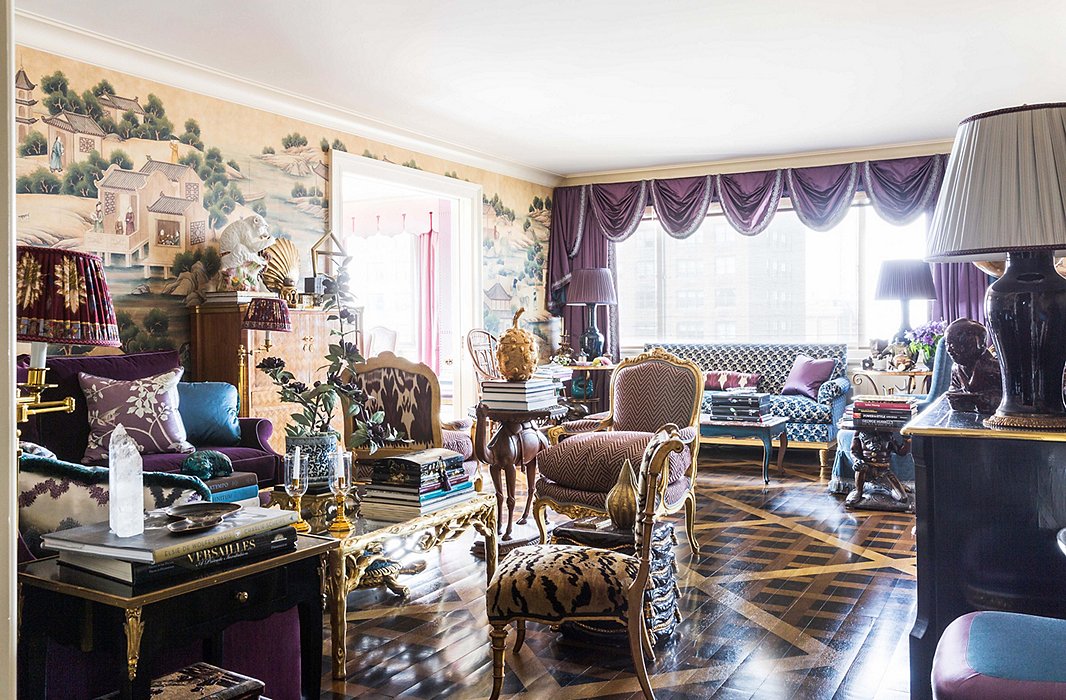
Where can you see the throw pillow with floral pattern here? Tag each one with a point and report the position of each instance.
(147, 408)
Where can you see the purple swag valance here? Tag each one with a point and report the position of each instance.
(586, 219)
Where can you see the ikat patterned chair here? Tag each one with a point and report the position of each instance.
(586, 456)
(409, 394)
(556, 583)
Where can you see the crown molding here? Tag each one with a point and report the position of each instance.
(43, 33)
(744, 165)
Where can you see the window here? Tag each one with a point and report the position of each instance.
(788, 283)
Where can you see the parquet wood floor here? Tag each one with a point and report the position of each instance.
(792, 597)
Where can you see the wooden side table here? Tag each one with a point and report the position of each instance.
(517, 441)
(769, 428)
(136, 627)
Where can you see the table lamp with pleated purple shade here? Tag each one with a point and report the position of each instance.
(61, 298)
(1004, 196)
(905, 280)
(592, 287)
(267, 314)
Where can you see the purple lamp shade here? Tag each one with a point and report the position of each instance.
(905, 280)
(267, 314)
(62, 298)
(591, 286)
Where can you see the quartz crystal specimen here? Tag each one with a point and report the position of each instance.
(126, 485)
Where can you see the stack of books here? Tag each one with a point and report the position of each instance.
(883, 411)
(532, 395)
(739, 406)
(238, 487)
(158, 555)
(415, 484)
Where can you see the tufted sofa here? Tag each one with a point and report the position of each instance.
(811, 423)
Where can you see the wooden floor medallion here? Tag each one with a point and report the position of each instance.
(793, 597)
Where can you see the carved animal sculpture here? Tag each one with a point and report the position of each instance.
(243, 240)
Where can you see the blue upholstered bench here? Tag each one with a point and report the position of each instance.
(1001, 656)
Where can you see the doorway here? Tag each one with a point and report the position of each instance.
(413, 238)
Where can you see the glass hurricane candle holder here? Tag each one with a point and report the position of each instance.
(296, 486)
(340, 483)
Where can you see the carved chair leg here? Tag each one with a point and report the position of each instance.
(498, 640)
(635, 625)
(540, 517)
(690, 522)
(520, 626)
(645, 638)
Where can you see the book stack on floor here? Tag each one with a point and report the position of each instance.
(161, 556)
(532, 395)
(415, 484)
(886, 412)
(739, 406)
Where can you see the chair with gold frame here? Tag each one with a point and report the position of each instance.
(553, 583)
(409, 394)
(585, 457)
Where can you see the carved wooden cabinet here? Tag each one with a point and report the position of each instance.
(217, 343)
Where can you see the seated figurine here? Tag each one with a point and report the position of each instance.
(975, 379)
(872, 450)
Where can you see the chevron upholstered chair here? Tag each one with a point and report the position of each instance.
(555, 583)
(586, 456)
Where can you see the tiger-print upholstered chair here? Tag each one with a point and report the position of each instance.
(409, 394)
(555, 583)
(586, 456)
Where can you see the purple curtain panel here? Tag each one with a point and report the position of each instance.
(618, 207)
(902, 189)
(570, 205)
(681, 203)
(960, 291)
(822, 196)
(749, 200)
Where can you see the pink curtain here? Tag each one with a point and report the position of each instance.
(428, 312)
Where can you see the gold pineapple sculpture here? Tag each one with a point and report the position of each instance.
(517, 352)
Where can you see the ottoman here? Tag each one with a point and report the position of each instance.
(1001, 656)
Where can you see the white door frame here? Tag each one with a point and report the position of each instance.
(8, 607)
(466, 247)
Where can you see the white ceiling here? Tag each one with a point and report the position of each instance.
(580, 86)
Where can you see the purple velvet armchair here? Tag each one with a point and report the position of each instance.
(67, 434)
(586, 456)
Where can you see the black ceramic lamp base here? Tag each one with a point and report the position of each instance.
(1026, 310)
(592, 339)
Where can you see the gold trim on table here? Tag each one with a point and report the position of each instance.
(938, 420)
(348, 563)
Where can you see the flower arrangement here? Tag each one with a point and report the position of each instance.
(924, 338)
(318, 402)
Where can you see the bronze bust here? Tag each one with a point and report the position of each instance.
(975, 379)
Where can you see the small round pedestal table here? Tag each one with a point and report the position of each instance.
(517, 441)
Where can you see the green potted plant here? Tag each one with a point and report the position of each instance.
(311, 428)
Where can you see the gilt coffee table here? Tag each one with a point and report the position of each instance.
(364, 546)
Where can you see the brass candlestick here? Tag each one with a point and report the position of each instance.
(300, 525)
(340, 524)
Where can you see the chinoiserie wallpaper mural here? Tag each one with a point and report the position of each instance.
(147, 176)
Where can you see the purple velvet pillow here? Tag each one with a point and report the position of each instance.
(807, 375)
(147, 408)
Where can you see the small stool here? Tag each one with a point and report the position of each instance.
(202, 681)
(1005, 656)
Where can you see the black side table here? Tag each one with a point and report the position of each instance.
(660, 600)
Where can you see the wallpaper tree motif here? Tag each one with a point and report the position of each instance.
(147, 176)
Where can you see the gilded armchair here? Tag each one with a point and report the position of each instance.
(556, 583)
(409, 394)
(582, 464)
